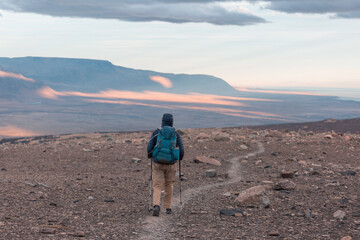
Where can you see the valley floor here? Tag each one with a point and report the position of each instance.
(96, 186)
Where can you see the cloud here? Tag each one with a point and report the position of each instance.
(13, 131)
(342, 8)
(197, 98)
(138, 10)
(165, 82)
(278, 92)
(15, 75)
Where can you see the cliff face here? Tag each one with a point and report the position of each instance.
(94, 75)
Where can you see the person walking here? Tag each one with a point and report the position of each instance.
(164, 148)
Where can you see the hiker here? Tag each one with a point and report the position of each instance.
(164, 164)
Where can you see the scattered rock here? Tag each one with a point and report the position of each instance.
(346, 238)
(347, 138)
(328, 136)
(285, 185)
(90, 198)
(203, 136)
(204, 159)
(287, 174)
(307, 213)
(243, 147)
(227, 194)
(77, 234)
(274, 233)
(232, 212)
(222, 137)
(48, 230)
(339, 214)
(253, 197)
(348, 173)
(210, 173)
(136, 160)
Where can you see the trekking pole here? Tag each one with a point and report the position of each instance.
(180, 178)
(150, 188)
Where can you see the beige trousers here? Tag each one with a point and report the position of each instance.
(163, 175)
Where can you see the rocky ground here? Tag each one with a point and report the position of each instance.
(278, 184)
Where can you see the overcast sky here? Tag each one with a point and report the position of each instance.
(272, 43)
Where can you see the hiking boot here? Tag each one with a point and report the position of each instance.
(168, 211)
(156, 210)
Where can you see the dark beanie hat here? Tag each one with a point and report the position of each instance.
(167, 120)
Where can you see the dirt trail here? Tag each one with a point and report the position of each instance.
(157, 227)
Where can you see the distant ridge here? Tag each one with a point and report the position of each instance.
(336, 125)
(69, 74)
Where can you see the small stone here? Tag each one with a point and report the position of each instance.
(91, 198)
(227, 194)
(347, 138)
(204, 159)
(77, 234)
(328, 136)
(210, 173)
(48, 230)
(287, 174)
(3, 169)
(136, 160)
(202, 136)
(258, 162)
(128, 141)
(243, 147)
(339, 214)
(302, 162)
(274, 233)
(53, 204)
(87, 150)
(231, 212)
(267, 182)
(348, 173)
(109, 200)
(285, 185)
(346, 238)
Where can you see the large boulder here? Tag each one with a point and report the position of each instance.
(222, 137)
(253, 197)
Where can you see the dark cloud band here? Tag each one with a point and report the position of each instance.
(342, 8)
(137, 10)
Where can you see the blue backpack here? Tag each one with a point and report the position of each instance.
(165, 151)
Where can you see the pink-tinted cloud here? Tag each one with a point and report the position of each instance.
(238, 113)
(48, 92)
(15, 75)
(279, 92)
(224, 111)
(165, 82)
(127, 103)
(12, 131)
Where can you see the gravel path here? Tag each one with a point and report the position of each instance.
(157, 227)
